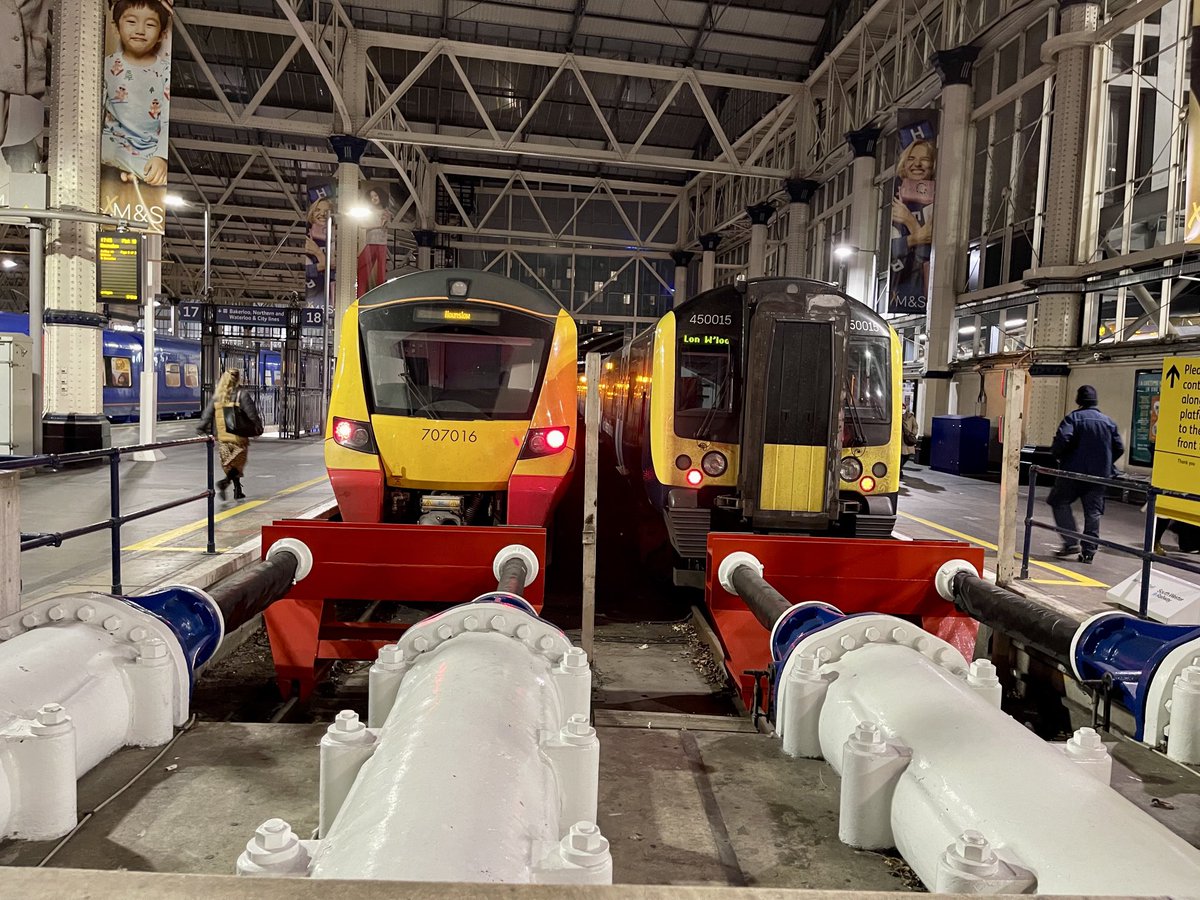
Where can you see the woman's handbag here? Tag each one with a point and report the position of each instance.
(238, 423)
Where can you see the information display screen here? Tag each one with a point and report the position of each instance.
(457, 315)
(119, 267)
(705, 340)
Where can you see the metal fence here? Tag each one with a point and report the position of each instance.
(1146, 553)
(116, 518)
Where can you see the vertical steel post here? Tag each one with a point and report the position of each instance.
(1028, 520)
(114, 507)
(207, 242)
(10, 543)
(212, 502)
(1010, 475)
(37, 308)
(591, 465)
(1147, 551)
(325, 318)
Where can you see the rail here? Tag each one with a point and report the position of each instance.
(1145, 554)
(116, 518)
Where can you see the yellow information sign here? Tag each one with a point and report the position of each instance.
(1177, 449)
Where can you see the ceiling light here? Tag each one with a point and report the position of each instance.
(843, 251)
(358, 211)
(175, 201)
(9, 263)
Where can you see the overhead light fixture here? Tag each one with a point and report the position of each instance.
(9, 263)
(358, 211)
(967, 329)
(844, 251)
(175, 201)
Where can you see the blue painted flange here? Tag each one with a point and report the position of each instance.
(798, 623)
(191, 615)
(506, 599)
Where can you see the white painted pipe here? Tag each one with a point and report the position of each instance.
(485, 769)
(1183, 734)
(982, 804)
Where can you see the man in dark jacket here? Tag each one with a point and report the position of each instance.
(1087, 442)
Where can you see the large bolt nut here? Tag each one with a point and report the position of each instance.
(52, 714)
(137, 633)
(29, 620)
(982, 671)
(112, 623)
(574, 661)
(867, 738)
(584, 845)
(56, 613)
(274, 835)
(391, 655)
(1190, 678)
(577, 731)
(973, 847)
(347, 721)
(155, 648)
(85, 613)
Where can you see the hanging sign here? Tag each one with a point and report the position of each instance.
(1192, 212)
(118, 267)
(253, 316)
(1144, 424)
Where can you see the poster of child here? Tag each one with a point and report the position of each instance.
(317, 261)
(137, 107)
(912, 212)
(25, 33)
(372, 259)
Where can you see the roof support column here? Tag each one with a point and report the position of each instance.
(954, 171)
(74, 417)
(864, 208)
(760, 216)
(425, 239)
(683, 259)
(800, 194)
(1059, 315)
(708, 260)
(347, 240)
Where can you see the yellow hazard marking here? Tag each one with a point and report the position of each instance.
(1074, 578)
(159, 539)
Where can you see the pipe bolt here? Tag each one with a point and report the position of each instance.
(112, 623)
(138, 634)
(899, 635)
(6, 632)
(982, 670)
(347, 721)
(575, 659)
(155, 648)
(274, 834)
(420, 644)
(497, 623)
(52, 714)
(872, 634)
(523, 632)
(56, 613)
(1191, 676)
(807, 665)
(545, 642)
(585, 837)
(824, 654)
(85, 614)
(847, 642)
(974, 847)
(920, 644)
(390, 654)
(471, 623)
(445, 632)
(868, 733)
(30, 620)
(1087, 739)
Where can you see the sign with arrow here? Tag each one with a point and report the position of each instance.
(1177, 448)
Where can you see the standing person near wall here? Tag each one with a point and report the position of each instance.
(908, 435)
(231, 416)
(1087, 442)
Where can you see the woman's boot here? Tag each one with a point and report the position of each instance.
(223, 486)
(237, 485)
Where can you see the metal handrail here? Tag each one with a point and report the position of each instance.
(1146, 554)
(116, 519)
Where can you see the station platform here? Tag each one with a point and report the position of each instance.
(936, 505)
(284, 478)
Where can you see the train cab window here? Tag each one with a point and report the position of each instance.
(868, 392)
(171, 375)
(490, 368)
(118, 371)
(706, 387)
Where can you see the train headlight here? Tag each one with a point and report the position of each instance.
(353, 435)
(850, 469)
(714, 463)
(683, 462)
(544, 441)
(694, 477)
(459, 288)
(879, 469)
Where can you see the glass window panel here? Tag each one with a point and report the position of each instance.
(1106, 320)
(974, 272)
(1021, 251)
(993, 264)
(1141, 311)
(964, 333)
(983, 81)
(1009, 65)
(1185, 307)
(1122, 54)
(1117, 139)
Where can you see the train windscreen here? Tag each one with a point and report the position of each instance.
(454, 362)
(868, 391)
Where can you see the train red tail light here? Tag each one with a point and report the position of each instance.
(541, 442)
(867, 483)
(353, 435)
(694, 477)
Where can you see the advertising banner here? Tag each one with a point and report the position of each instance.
(1143, 432)
(137, 110)
(25, 35)
(317, 261)
(382, 205)
(1192, 218)
(912, 210)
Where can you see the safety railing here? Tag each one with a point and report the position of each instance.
(1145, 554)
(116, 518)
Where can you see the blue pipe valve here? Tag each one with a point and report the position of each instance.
(191, 615)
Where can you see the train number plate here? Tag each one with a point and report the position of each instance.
(449, 435)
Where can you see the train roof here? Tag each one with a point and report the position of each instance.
(435, 284)
(813, 284)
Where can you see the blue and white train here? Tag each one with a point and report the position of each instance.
(177, 363)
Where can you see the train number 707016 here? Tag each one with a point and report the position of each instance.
(450, 435)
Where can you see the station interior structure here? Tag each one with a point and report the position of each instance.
(560, 695)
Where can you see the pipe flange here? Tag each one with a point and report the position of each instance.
(110, 614)
(521, 552)
(538, 635)
(834, 641)
(1158, 694)
(1081, 633)
(733, 561)
(785, 619)
(298, 549)
(944, 579)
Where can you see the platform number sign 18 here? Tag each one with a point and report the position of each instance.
(313, 318)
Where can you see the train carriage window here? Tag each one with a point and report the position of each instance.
(191, 375)
(489, 367)
(118, 371)
(171, 375)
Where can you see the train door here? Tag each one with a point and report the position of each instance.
(791, 426)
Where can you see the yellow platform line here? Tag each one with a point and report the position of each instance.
(158, 540)
(1073, 578)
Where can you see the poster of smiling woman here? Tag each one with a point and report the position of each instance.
(912, 211)
(137, 107)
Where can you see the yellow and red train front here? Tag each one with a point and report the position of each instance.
(471, 396)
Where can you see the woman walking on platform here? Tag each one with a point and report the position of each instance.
(233, 418)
